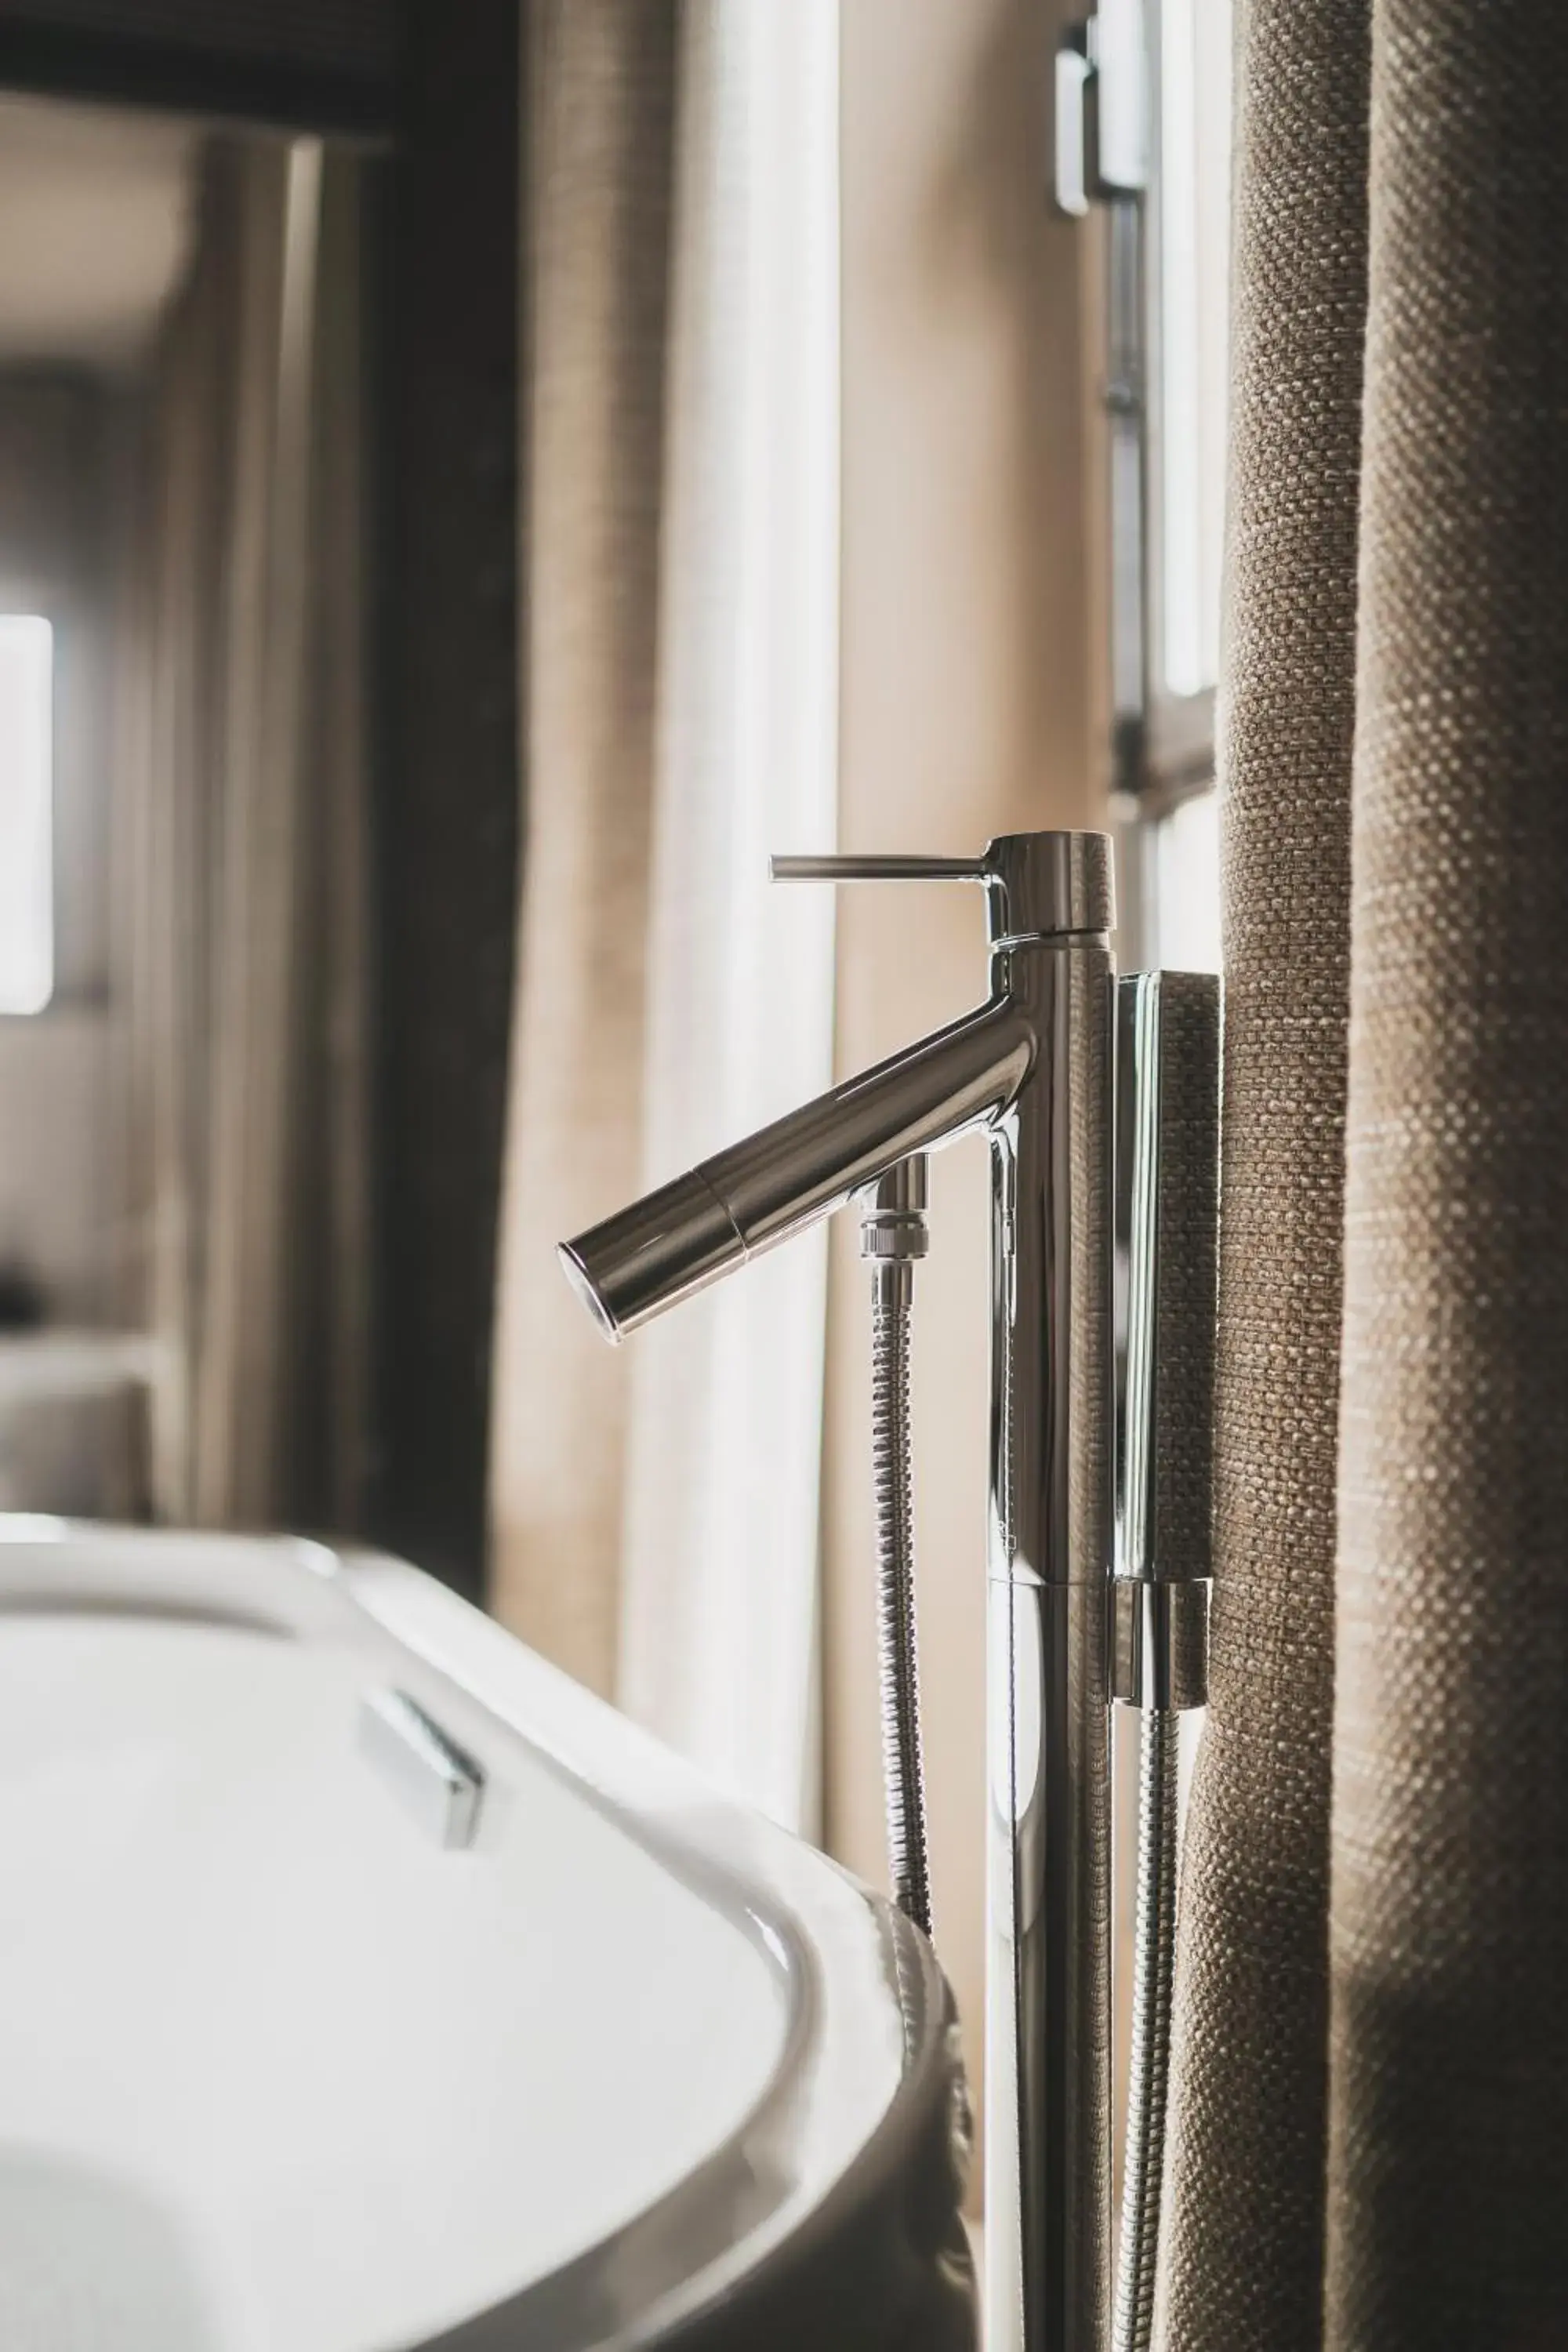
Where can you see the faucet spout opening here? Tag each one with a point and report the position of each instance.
(672, 1242)
(776, 1183)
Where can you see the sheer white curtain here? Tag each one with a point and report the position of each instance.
(719, 1598)
(655, 1515)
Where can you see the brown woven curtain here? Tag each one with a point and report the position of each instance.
(1448, 2174)
(1244, 2245)
(1371, 2093)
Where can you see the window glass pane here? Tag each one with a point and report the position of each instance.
(1193, 263)
(27, 848)
(1186, 885)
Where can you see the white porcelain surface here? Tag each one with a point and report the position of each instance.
(276, 2069)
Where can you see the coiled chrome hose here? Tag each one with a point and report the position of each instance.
(903, 1771)
(893, 1235)
(1155, 1947)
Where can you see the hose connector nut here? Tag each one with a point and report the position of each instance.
(892, 1212)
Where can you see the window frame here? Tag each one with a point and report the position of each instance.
(1162, 740)
(45, 946)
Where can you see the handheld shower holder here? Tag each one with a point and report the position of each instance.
(1167, 1148)
(1167, 1159)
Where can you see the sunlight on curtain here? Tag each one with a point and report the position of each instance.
(718, 1609)
(1186, 885)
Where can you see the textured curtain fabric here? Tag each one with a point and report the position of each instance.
(1243, 2263)
(246, 855)
(1370, 2144)
(656, 1512)
(1448, 2142)
(602, 80)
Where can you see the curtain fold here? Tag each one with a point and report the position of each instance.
(1370, 2071)
(655, 1513)
(602, 79)
(255, 782)
(247, 856)
(1449, 2150)
(1244, 2252)
(718, 1614)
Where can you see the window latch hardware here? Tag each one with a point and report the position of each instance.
(1101, 110)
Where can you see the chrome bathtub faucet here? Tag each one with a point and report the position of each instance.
(1033, 1065)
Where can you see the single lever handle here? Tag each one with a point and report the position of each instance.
(1039, 884)
(880, 869)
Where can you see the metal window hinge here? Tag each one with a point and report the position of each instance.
(1101, 107)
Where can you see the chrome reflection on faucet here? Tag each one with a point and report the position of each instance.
(1034, 1065)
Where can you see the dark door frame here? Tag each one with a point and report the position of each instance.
(433, 90)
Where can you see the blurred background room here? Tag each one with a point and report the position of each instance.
(473, 480)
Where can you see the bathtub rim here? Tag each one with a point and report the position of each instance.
(817, 2202)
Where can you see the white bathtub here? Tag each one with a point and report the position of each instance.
(281, 2071)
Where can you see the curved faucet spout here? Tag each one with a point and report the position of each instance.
(802, 1167)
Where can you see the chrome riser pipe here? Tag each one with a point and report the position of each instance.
(1047, 2134)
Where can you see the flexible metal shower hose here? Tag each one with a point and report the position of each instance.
(902, 1770)
(1144, 2162)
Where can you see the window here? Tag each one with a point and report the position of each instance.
(1191, 203)
(1144, 127)
(1187, 320)
(1182, 856)
(26, 830)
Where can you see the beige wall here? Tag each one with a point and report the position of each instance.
(971, 704)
